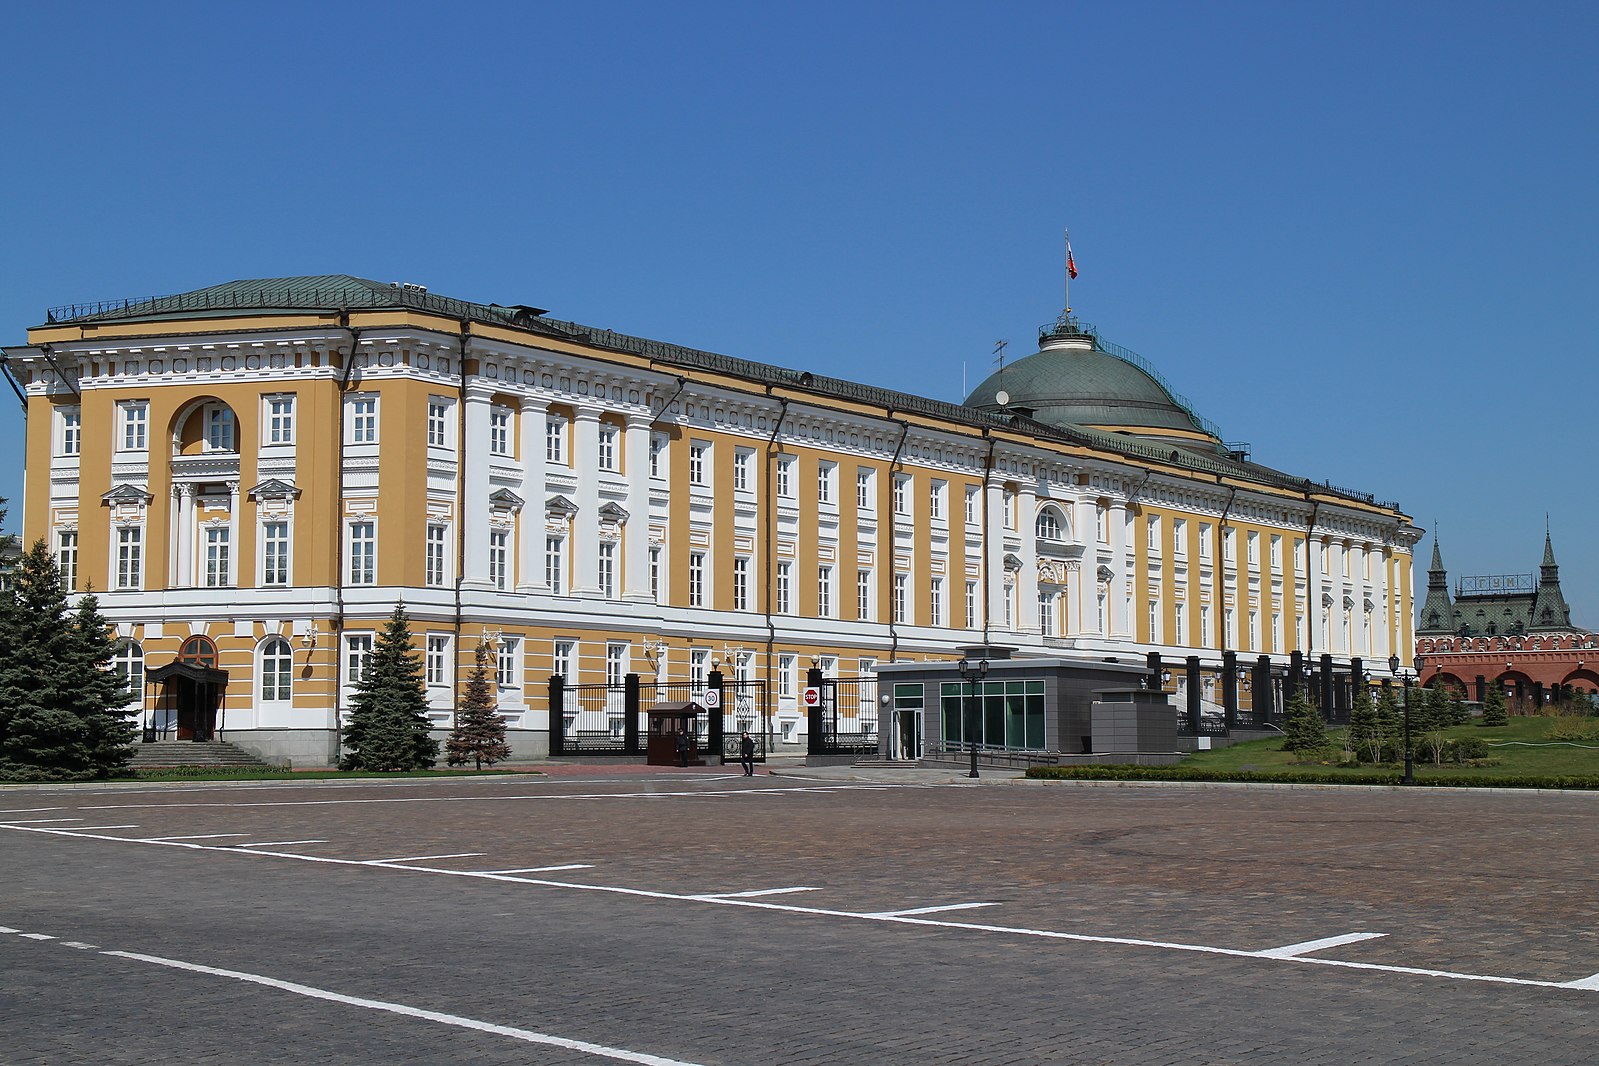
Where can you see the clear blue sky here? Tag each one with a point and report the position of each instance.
(1359, 236)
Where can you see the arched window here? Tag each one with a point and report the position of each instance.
(219, 434)
(1049, 525)
(128, 661)
(277, 669)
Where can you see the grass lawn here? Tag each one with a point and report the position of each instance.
(212, 773)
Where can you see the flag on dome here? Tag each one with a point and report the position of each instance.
(1071, 264)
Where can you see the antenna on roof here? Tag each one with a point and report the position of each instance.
(1002, 397)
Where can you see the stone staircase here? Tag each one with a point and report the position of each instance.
(167, 753)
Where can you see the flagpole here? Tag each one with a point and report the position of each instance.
(1066, 274)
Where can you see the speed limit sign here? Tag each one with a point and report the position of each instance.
(812, 697)
(713, 699)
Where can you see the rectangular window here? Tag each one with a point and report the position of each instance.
(863, 489)
(357, 653)
(505, 666)
(277, 671)
(1204, 541)
(741, 584)
(696, 462)
(71, 430)
(555, 564)
(274, 553)
(608, 448)
(615, 663)
(219, 428)
(1154, 621)
(1254, 547)
(785, 589)
(935, 500)
(438, 658)
(743, 461)
(657, 446)
(787, 667)
(1254, 630)
(971, 504)
(935, 602)
(1152, 534)
(280, 420)
(130, 557)
(785, 478)
(434, 573)
(67, 558)
(363, 553)
(499, 561)
(901, 607)
(824, 591)
(135, 425)
(863, 595)
(216, 557)
(1010, 608)
(1276, 632)
(1046, 613)
(696, 579)
(1204, 626)
(563, 659)
(1008, 503)
(1229, 548)
(699, 664)
(971, 605)
(901, 487)
(363, 420)
(438, 423)
(607, 573)
(554, 439)
(1179, 532)
(825, 473)
(1276, 552)
(499, 430)
(1177, 622)
(655, 574)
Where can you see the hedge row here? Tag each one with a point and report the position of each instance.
(1303, 777)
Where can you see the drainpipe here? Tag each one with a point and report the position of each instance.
(988, 572)
(893, 617)
(771, 527)
(1310, 617)
(338, 535)
(460, 514)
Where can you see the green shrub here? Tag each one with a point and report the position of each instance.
(1306, 777)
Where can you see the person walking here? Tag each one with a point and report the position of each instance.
(746, 754)
(684, 746)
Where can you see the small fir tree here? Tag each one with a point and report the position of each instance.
(1436, 717)
(1495, 711)
(1304, 730)
(388, 723)
(1387, 744)
(479, 733)
(1360, 737)
(101, 697)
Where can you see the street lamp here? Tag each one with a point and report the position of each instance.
(972, 673)
(1404, 692)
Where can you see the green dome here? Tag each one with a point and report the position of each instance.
(1071, 381)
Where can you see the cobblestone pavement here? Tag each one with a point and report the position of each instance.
(807, 917)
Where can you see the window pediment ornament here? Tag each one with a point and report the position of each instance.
(274, 489)
(559, 507)
(1013, 562)
(127, 494)
(1051, 572)
(1105, 574)
(614, 514)
(506, 500)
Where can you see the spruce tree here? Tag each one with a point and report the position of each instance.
(388, 723)
(41, 734)
(479, 733)
(1304, 730)
(1362, 733)
(1388, 741)
(1436, 717)
(101, 697)
(1495, 711)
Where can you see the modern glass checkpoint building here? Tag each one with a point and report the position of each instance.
(253, 475)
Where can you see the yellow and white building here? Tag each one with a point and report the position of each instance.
(252, 475)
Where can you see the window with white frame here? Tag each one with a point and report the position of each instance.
(902, 484)
(1179, 534)
(279, 420)
(1204, 541)
(1101, 523)
(864, 499)
(220, 435)
(67, 558)
(699, 665)
(71, 422)
(657, 448)
(507, 663)
(1204, 626)
(655, 573)
(863, 595)
(971, 605)
(698, 450)
(1229, 547)
(555, 564)
(275, 552)
(130, 557)
(499, 558)
(135, 418)
(437, 659)
(1008, 506)
(901, 598)
(438, 422)
(615, 663)
(277, 670)
(554, 439)
(1048, 525)
(1046, 612)
(1253, 543)
(1100, 615)
(785, 588)
(1010, 606)
(363, 553)
(787, 669)
(972, 493)
(825, 474)
(1254, 630)
(563, 659)
(935, 499)
(1178, 618)
(1154, 621)
(743, 463)
(696, 579)
(363, 419)
(434, 572)
(935, 602)
(824, 591)
(607, 569)
(828, 665)
(128, 663)
(1276, 551)
(499, 430)
(217, 550)
(1230, 622)
(741, 583)
(607, 445)
(1276, 632)
(357, 655)
(1152, 530)
(785, 477)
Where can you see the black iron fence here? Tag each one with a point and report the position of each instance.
(844, 720)
(606, 719)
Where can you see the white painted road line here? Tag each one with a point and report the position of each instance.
(1590, 983)
(926, 910)
(274, 843)
(527, 1035)
(201, 836)
(1294, 950)
(86, 828)
(544, 869)
(29, 810)
(755, 892)
(38, 821)
(8, 929)
(37, 936)
(419, 858)
(80, 945)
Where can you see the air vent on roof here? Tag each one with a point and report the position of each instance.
(408, 286)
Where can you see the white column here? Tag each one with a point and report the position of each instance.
(1027, 580)
(636, 534)
(474, 521)
(183, 568)
(1116, 520)
(234, 543)
(586, 523)
(1316, 616)
(1071, 597)
(994, 560)
(530, 523)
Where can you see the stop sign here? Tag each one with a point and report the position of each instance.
(812, 697)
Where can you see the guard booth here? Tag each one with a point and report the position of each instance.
(667, 720)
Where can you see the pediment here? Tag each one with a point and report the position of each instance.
(274, 489)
